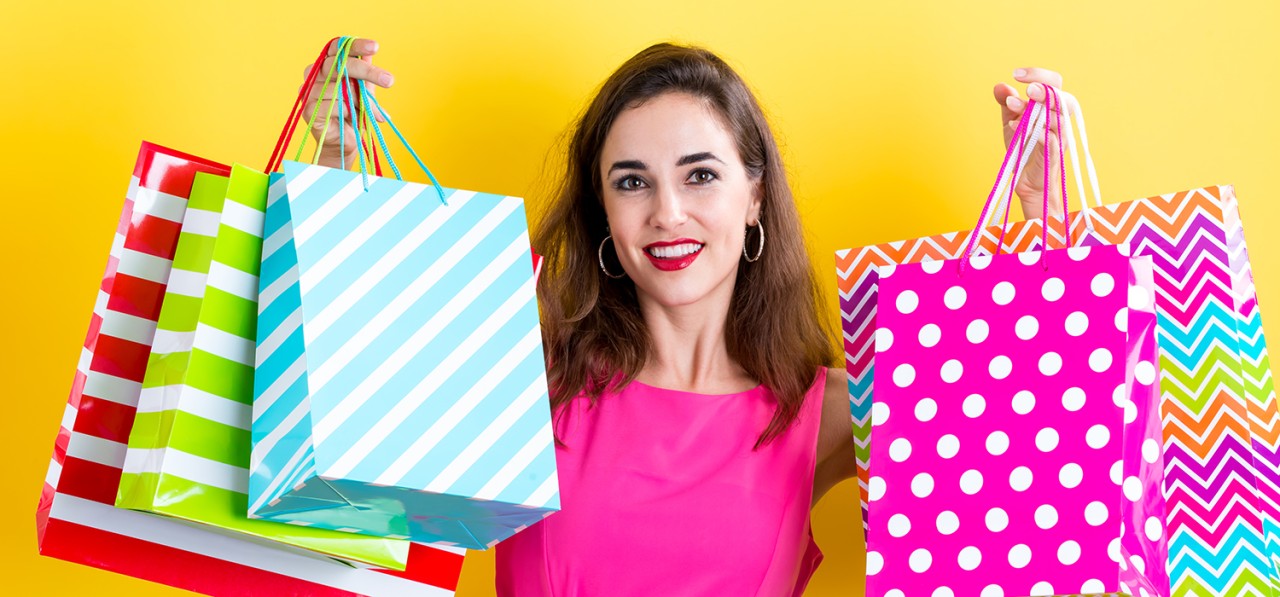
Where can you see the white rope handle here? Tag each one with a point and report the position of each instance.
(1076, 154)
(1013, 171)
(1081, 155)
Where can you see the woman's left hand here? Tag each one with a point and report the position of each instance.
(1030, 187)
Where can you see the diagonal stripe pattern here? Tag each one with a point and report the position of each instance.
(1222, 477)
(191, 434)
(399, 361)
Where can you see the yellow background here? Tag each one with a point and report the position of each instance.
(883, 109)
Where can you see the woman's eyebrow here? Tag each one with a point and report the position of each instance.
(694, 158)
(628, 165)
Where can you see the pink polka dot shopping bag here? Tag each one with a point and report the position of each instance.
(1017, 428)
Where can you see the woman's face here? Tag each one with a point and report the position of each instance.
(678, 199)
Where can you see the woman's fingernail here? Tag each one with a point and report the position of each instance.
(373, 47)
(1019, 73)
(1013, 103)
(386, 80)
(1034, 89)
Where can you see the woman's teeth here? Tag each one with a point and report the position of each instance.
(675, 251)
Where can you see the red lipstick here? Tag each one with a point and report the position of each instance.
(673, 255)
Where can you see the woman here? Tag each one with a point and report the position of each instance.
(696, 417)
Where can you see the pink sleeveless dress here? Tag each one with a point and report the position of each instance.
(661, 494)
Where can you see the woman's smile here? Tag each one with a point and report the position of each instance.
(673, 255)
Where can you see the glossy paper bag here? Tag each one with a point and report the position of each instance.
(1017, 428)
(400, 388)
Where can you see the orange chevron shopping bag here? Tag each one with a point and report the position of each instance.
(1218, 404)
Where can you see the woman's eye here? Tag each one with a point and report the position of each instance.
(702, 176)
(628, 183)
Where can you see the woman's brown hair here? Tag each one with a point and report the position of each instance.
(593, 332)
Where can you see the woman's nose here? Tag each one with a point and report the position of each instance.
(669, 209)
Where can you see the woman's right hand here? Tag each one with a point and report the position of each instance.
(339, 133)
(1030, 188)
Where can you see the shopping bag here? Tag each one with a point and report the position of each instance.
(188, 453)
(1218, 403)
(1222, 429)
(400, 388)
(75, 519)
(1017, 428)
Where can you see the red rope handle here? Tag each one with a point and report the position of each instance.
(286, 135)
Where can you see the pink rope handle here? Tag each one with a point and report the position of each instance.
(1062, 171)
(1055, 107)
(1023, 123)
(1013, 183)
(1054, 99)
(1044, 183)
(1053, 103)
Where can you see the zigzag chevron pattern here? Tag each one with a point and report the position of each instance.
(1188, 235)
(1221, 425)
(1259, 387)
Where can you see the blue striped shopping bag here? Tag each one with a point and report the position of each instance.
(400, 385)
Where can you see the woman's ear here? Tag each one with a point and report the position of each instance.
(753, 210)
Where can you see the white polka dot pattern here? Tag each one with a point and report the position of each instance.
(1025, 460)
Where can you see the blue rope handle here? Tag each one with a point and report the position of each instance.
(346, 102)
(339, 61)
(377, 131)
(374, 102)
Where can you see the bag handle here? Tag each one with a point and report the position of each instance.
(367, 98)
(1051, 95)
(1028, 124)
(1077, 154)
(1027, 133)
(337, 78)
(1081, 155)
(295, 114)
(353, 101)
(378, 131)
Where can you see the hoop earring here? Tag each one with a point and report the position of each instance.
(760, 250)
(600, 255)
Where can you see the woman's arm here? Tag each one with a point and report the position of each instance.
(837, 460)
(836, 457)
